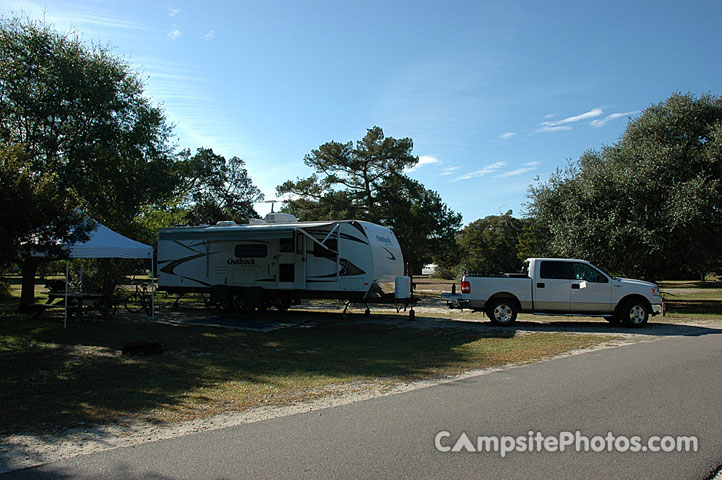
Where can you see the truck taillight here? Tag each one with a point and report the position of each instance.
(465, 287)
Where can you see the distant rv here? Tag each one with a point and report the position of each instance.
(279, 261)
(429, 269)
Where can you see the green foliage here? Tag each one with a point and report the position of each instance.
(34, 210)
(366, 181)
(358, 171)
(649, 205)
(215, 189)
(81, 118)
(422, 222)
(489, 245)
(533, 240)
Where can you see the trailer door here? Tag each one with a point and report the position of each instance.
(292, 263)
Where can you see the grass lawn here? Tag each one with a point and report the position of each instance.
(54, 378)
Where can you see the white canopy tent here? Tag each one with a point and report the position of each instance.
(105, 243)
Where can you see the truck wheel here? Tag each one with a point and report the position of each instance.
(634, 313)
(502, 311)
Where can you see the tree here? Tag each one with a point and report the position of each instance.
(215, 189)
(47, 212)
(79, 115)
(651, 204)
(358, 170)
(366, 181)
(423, 223)
(490, 244)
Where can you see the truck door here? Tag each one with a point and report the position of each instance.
(552, 287)
(591, 290)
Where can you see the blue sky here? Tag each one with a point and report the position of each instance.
(493, 93)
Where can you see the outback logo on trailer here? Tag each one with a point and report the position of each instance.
(241, 261)
(383, 239)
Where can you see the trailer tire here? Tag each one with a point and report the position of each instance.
(502, 311)
(283, 304)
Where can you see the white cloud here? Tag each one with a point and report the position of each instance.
(172, 12)
(595, 112)
(90, 20)
(210, 35)
(532, 164)
(514, 173)
(601, 122)
(423, 161)
(481, 172)
(175, 35)
(507, 135)
(427, 160)
(548, 128)
(449, 170)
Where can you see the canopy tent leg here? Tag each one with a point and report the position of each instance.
(152, 288)
(67, 277)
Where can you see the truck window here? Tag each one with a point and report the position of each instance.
(525, 268)
(582, 271)
(251, 251)
(554, 270)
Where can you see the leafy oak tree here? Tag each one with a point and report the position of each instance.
(651, 204)
(490, 244)
(214, 189)
(82, 122)
(366, 181)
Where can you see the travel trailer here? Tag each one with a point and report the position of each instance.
(279, 261)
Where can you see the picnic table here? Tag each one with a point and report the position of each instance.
(78, 302)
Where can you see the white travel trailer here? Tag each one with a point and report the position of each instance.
(279, 261)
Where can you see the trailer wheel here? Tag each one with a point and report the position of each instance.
(283, 304)
(502, 311)
(240, 305)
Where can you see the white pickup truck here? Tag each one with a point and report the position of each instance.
(558, 286)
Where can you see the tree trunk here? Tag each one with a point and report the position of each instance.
(27, 294)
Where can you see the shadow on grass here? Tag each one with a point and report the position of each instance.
(77, 377)
(694, 306)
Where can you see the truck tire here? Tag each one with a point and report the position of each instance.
(502, 311)
(634, 313)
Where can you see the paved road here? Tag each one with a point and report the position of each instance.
(670, 386)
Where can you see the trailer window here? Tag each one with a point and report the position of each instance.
(286, 245)
(251, 251)
(330, 252)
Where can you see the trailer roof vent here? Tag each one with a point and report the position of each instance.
(280, 218)
(225, 223)
(256, 221)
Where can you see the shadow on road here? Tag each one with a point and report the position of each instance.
(55, 472)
